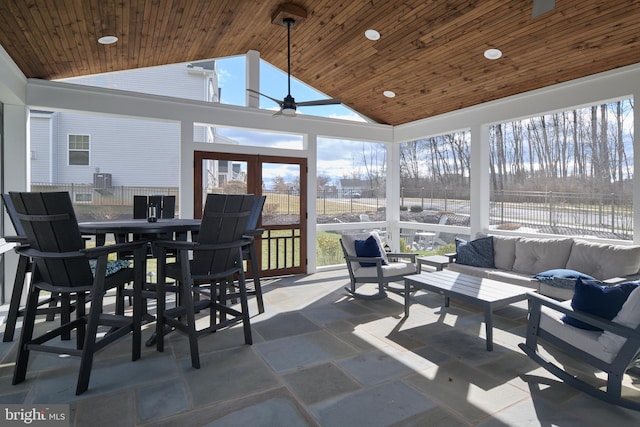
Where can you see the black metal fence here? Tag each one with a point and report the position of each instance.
(92, 203)
(603, 214)
(441, 199)
(116, 196)
(593, 214)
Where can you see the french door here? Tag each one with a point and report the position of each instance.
(282, 247)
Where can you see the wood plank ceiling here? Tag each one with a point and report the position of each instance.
(430, 53)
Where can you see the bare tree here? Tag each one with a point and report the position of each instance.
(374, 161)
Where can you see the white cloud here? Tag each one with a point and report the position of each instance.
(351, 116)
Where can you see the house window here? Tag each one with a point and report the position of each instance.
(79, 150)
(83, 197)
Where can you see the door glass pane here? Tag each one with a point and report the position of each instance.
(281, 185)
(223, 176)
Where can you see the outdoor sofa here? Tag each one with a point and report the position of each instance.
(548, 265)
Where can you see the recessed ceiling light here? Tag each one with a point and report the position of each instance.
(107, 39)
(389, 93)
(493, 54)
(372, 35)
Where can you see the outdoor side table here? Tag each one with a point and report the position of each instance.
(436, 261)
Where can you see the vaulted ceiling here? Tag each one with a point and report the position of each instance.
(430, 52)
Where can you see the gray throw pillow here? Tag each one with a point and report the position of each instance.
(478, 253)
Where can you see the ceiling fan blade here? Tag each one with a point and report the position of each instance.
(542, 6)
(277, 101)
(331, 101)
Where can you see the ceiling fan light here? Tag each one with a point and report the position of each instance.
(493, 53)
(372, 35)
(288, 111)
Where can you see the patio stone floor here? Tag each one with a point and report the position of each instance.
(321, 358)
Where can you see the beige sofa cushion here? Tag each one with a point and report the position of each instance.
(504, 251)
(604, 261)
(536, 255)
(468, 269)
(514, 278)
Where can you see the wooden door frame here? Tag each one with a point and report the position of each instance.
(254, 162)
(199, 156)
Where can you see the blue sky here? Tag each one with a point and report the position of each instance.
(273, 82)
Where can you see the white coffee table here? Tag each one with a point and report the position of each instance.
(485, 293)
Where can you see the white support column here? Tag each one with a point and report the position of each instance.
(480, 180)
(253, 77)
(312, 194)
(15, 171)
(185, 172)
(393, 194)
(636, 177)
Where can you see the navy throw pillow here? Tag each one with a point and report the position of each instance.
(561, 277)
(478, 253)
(599, 300)
(368, 248)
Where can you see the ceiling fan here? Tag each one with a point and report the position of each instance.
(289, 105)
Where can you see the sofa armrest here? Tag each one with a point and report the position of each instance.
(452, 256)
(621, 279)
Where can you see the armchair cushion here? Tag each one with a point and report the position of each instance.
(629, 315)
(368, 248)
(587, 340)
(348, 241)
(478, 253)
(600, 300)
(393, 269)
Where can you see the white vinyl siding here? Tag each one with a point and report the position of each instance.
(40, 148)
(135, 152)
(176, 80)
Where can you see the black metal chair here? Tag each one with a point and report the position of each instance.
(165, 206)
(50, 306)
(62, 265)
(203, 281)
